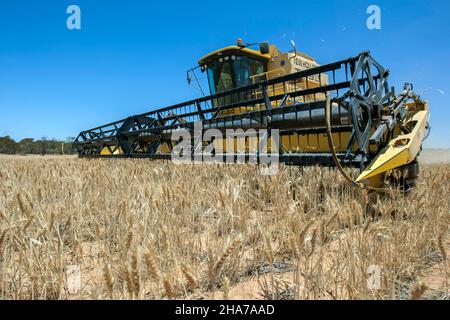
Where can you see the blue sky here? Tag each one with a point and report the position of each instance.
(131, 56)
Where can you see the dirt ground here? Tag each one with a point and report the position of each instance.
(433, 278)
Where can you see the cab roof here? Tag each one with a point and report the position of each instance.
(232, 50)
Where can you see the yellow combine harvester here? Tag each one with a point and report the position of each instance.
(339, 114)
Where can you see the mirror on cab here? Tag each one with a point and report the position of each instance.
(264, 47)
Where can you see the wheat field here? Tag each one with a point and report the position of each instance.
(142, 229)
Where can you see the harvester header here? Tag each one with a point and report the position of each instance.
(338, 114)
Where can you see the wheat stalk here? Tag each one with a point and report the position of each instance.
(191, 279)
(226, 253)
(135, 273)
(226, 288)
(129, 280)
(441, 247)
(418, 291)
(152, 266)
(109, 280)
(313, 243)
(169, 289)
(24, 208)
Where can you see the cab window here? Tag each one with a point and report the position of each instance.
(244, 68)
(220, 76)
(232, 72)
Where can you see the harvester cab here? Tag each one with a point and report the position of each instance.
(239, 66)
(341, 114)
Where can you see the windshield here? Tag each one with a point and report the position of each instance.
(232, 72)
(220, 77)
(244, 68)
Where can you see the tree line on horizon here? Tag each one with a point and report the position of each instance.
(41, 146)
